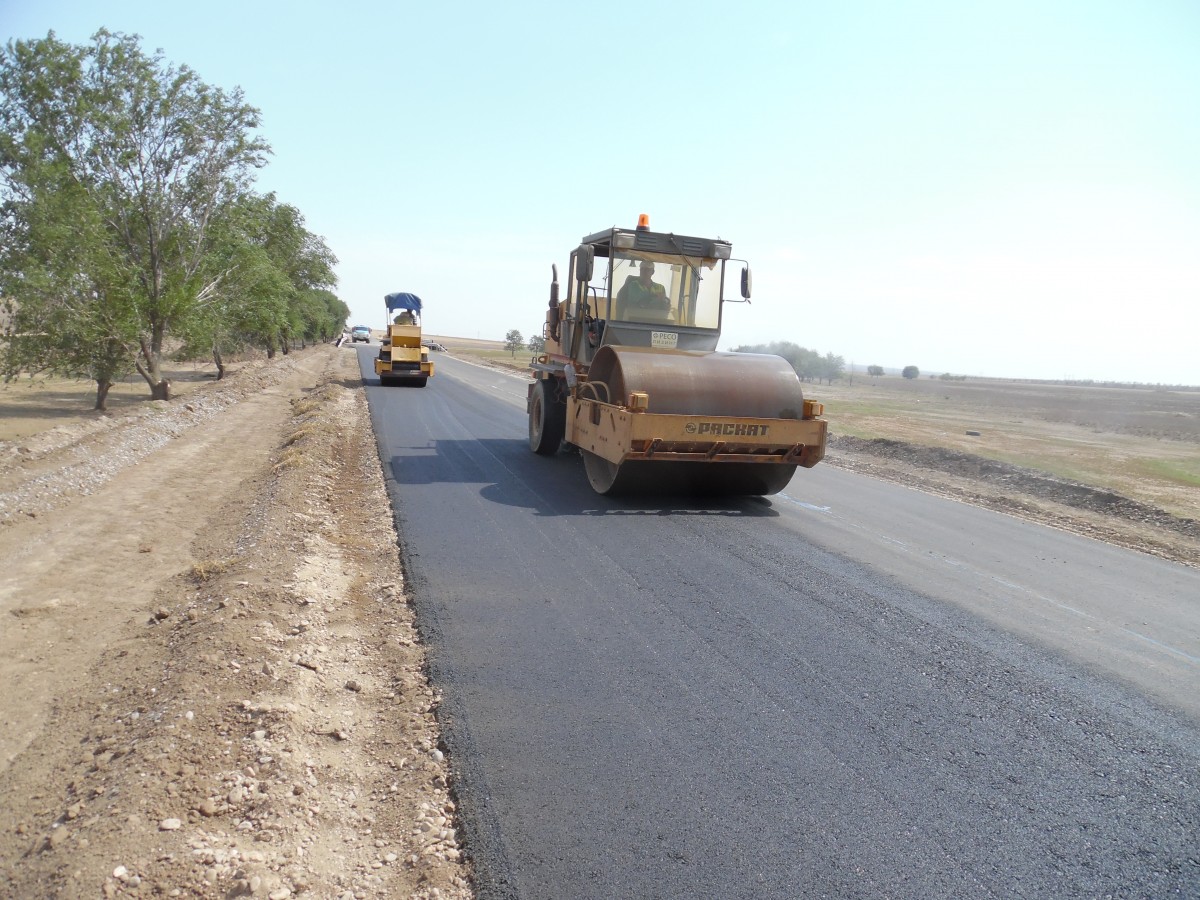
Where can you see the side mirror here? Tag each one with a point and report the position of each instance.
(746, 282)
(585, 262)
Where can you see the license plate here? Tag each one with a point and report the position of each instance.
(664, 339)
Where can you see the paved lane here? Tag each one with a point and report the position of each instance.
(776, 698)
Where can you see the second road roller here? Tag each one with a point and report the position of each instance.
(631, 374)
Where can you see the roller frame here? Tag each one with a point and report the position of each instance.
(619, 434)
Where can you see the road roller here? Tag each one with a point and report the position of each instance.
(403, 358)
(631, 376)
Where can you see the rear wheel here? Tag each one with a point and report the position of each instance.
(547, 418)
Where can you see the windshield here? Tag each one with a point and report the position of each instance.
(659, 289)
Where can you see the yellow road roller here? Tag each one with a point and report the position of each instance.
(631, 375)
(403, 358)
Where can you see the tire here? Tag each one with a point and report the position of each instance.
(547, 418)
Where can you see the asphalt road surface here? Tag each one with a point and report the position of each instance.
(847, 690)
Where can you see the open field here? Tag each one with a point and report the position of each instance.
(1140, 443)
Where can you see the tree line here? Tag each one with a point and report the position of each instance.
(810, 365)
(129, 228)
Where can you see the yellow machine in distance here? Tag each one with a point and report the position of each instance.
(403, 359)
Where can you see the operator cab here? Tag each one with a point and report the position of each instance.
(640, 288)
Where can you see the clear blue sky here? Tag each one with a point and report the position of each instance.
(987, 188)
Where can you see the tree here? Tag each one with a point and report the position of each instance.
(155, 154)
(832, 367)
(537, 344)
(513, 341)
(63, 287)
(302, 256)
(809, 364)
(911, 372)
(268, 274)
(249, 299)
(875, 370)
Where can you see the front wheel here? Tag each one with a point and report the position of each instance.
(547, 418)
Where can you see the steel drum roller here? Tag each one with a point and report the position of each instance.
(699, 383)
(744, 385)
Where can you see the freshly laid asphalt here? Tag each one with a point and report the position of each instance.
(846, 690)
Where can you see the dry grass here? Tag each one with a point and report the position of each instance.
(1142, 444)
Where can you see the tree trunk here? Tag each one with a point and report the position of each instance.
(152, 372)
(220, 363)
(102, 387)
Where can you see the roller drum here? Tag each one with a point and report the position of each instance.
(700, 383)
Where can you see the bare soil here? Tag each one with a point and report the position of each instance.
(215, 685)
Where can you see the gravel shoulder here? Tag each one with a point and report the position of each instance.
(215, 683)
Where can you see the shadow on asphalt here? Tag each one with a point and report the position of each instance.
(551, 486)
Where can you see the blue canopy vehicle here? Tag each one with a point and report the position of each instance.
(402, 359)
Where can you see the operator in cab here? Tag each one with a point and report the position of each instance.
(642, 293)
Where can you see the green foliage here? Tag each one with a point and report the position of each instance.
(911, 372)
(513, 341)
(64, 285)
(537, 344)
(832, 366)
(127, 216)
(875, 370)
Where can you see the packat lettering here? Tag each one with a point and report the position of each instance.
(728, 429)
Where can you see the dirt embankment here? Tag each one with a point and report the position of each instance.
(214, 685)
(1024, 493)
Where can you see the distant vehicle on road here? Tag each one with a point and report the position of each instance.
(433, 345)
(360, 333)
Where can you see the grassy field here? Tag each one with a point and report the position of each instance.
(1141, 443)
